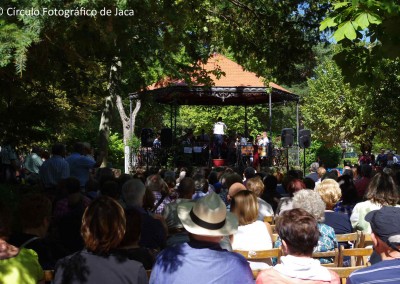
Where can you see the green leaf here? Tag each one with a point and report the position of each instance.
(339, 34)
(349, 30)
(327, 23)
(374, 19)
(362, 21)
(339, 5)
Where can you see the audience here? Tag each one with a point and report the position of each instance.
(18, 265)
(300, 234)
(385, 236)
(311, 201)
(381, 191)
(103, 229)
(330, 193)
(286, 203)
(252, 234)
(256, 185)
(202, 260)
(349, 195)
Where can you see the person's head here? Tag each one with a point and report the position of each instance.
(111, 188)
(58, 149)
(314, 167)
(234, 189)
(103, 225)
(298, 231)
(230, 178)
(270, 183)
(321, 171)
(219, 119)
(35, 213)
(294, 186)
(330, 192)
(310, 201)
(186, 188)
(385, 228)
(382, 190)
(79, 148)
(333, 174)
(170, 181)
(309, 183)
(133, 227)
(132, 192)
(264, 134)
(249, 172)
(349, 192)
(155, 183)
(207, 217)
(255, 185)
(245, 206)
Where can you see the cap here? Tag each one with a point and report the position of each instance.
(385, 224)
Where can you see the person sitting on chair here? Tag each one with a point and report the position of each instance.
(299, 232)
(385, 236)
(202, 260)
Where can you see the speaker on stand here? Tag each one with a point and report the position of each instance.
(304, 142)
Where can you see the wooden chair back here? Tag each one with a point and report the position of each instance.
(148, 272)
(334, 254)
(273, 228)
(262, 255)
(358, 256)
(269, 219)
(353, 238)
(344, 272)
(365, 240)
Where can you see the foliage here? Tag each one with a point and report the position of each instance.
(368, 31)
(328, 156)
(116, 151)
(271, 38)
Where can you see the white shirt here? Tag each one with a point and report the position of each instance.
(219, 128)
(263, 141)
(253, 236)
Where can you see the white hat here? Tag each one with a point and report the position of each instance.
(207, 217)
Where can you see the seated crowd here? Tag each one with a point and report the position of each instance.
(91, 227)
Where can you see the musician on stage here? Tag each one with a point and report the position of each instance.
(264, 140)
(219, 131)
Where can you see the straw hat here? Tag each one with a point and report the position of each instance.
(207, 217)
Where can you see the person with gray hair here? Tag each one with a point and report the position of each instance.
(132, 193)
(153, 234)
(312, 202)
(313, 172)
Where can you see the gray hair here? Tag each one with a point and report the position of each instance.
(133, 191)
(314, 167)
(310, 201)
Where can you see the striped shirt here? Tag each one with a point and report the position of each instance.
(53, 170)
(386, 271)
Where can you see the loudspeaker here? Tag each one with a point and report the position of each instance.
(304, 138)
(147, 137)
(287, 137)
(166, 137)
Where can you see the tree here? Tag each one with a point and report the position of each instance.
(336, 111)
(368, 32)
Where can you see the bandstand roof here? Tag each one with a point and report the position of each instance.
(235, 87)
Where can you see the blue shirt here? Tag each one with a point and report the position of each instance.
(53, 170)
(79, 166)
(200, 262)
(386, 271)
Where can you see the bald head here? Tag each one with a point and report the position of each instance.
(234, 189)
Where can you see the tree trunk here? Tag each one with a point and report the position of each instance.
(106, 115)
(128, 131)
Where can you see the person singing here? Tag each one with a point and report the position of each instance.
(219, 131)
